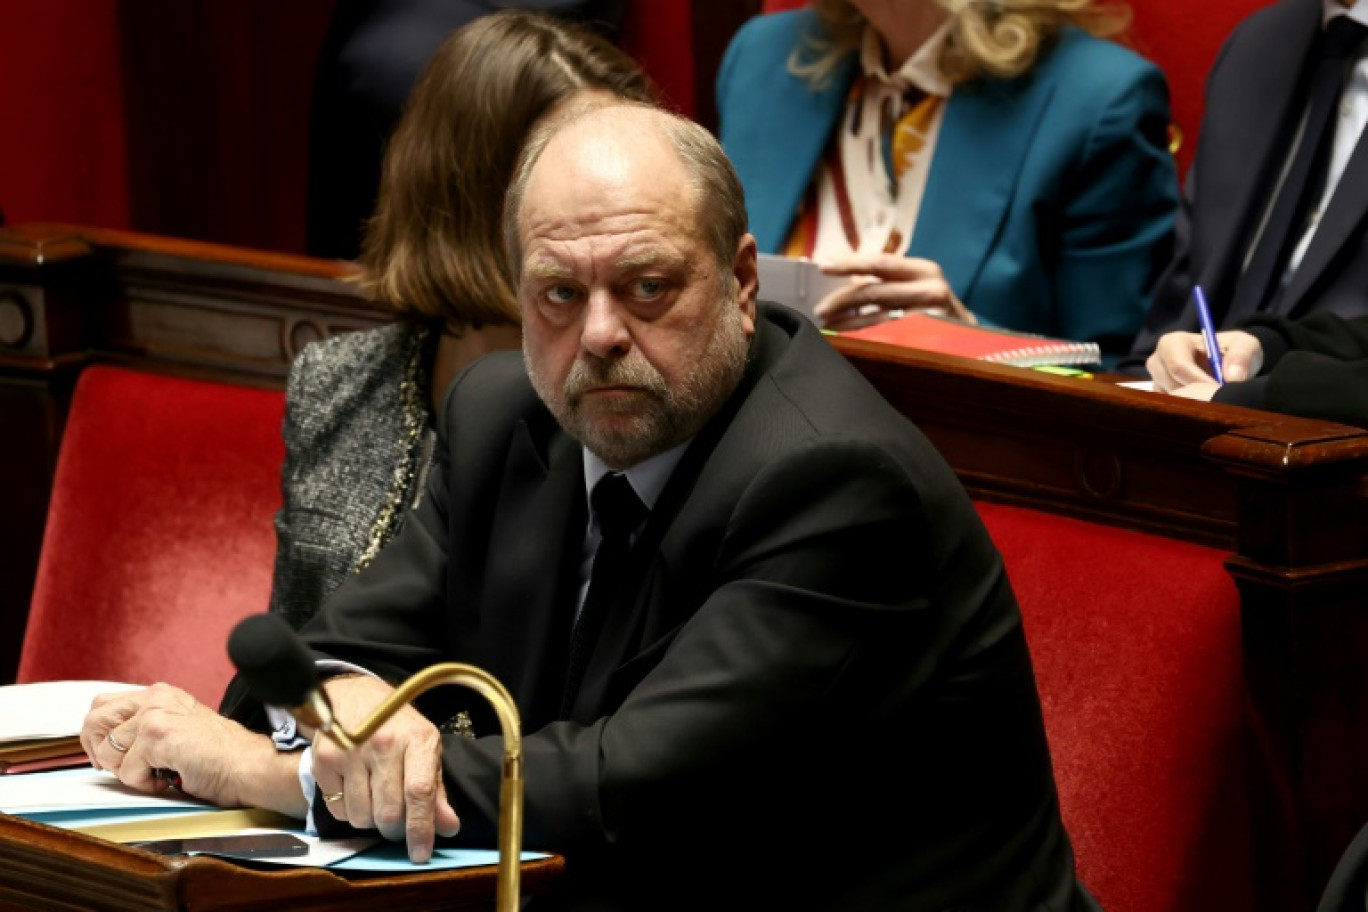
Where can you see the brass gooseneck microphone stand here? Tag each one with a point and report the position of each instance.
(281, 672)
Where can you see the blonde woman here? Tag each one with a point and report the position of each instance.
(998, 160)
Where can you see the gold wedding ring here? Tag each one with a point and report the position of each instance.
(335, 796)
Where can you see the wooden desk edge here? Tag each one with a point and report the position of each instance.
(46, 867)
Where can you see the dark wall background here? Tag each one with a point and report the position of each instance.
(189, 118)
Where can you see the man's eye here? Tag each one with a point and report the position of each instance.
(649, 288)
(560, 294)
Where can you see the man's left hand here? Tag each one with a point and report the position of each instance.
(392, 782)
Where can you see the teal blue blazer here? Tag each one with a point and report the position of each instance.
(1051, 197)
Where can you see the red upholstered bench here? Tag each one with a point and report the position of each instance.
(159, 535)
(1136, 645)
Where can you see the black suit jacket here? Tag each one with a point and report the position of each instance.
(1316, 367)
(1253, 107)
(814, 691)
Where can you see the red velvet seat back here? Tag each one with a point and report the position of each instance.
(1136, 646)
(159, 535)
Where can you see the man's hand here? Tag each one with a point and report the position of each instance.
(140, 735)
(392, 782)
(884, 287)
(1180, 360)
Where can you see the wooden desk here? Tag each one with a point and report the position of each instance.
(45, 868)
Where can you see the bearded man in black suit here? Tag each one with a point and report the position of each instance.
(808, 687)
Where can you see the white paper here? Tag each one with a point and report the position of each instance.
(85, 789)
(51, 709)
(1146, 385)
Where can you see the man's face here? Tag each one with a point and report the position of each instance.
(633, 333)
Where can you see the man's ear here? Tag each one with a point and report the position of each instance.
(746, 269)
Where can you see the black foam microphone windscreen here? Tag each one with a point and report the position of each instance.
(273, 661)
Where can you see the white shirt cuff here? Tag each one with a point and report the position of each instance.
(285, 733)
(308, 786)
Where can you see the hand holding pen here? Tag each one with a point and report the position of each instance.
(1176, 365)
(1213, 348)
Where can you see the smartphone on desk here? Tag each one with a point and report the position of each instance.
(241, 845)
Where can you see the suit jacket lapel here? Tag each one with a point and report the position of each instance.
(1338, 224)
(639, 616)
(971, 179)
(1246, 131)
(530, 587)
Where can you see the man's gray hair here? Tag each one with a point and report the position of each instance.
(719, 201)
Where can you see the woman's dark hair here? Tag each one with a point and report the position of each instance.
(433, 249)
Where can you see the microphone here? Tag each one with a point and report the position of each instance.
(280, 671)
(272, 660)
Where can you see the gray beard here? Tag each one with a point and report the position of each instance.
(668, 417)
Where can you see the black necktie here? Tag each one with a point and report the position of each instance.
(619, 512)
(1305, 175)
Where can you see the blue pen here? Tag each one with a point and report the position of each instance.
(1213, 350)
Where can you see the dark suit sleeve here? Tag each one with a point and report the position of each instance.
(1323, 374)
(819, 612)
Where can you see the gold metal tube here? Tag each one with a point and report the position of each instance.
(511, 784)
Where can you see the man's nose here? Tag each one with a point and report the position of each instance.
(605, 332)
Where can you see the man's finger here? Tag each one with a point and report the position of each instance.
(422, 786)
(447, 821)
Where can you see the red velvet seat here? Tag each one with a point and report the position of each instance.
(159, 535)
(1136, 645)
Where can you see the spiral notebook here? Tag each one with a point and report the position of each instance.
(951, 337)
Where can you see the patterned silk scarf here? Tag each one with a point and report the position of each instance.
(868, 189)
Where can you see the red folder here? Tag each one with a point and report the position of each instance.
(951, 337)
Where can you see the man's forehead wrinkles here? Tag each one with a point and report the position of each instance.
(634, 242)
(565, 226)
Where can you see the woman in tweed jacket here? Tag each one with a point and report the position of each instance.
(358, 411)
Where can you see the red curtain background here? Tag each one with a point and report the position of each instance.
(62, 157)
